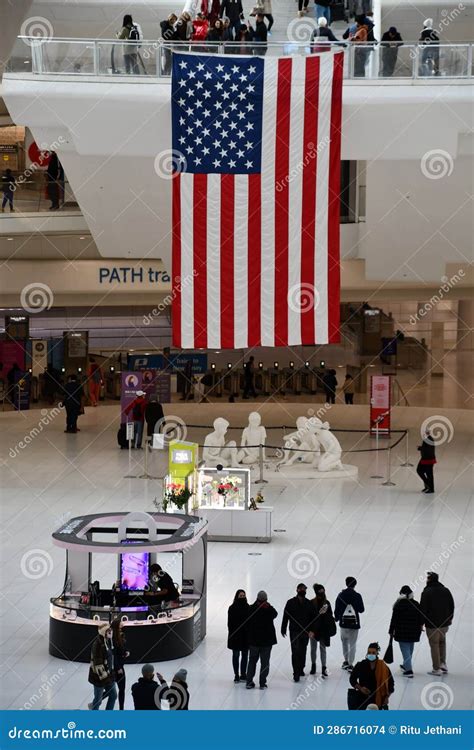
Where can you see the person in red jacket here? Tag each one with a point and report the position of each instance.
(137, 409)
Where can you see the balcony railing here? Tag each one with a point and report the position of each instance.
(151, 60)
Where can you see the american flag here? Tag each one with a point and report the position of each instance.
(255, 248)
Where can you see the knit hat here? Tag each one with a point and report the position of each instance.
(262, 596)
(103, 628)
(428, 24)
(181, 674)
(322, 21)
(406, 590)
(147, 669)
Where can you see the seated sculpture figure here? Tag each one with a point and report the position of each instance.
(216, 451)
(332, 451)
(303, 439)
(254, 434)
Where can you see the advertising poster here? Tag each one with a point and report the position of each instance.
(380, 388)
(149, 381)
(39, 356)
(175, 362)
(131, 383)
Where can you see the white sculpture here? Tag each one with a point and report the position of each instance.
(216, 451)
(254, 434)
(331, 458)
(303, 439)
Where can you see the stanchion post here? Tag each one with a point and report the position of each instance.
(145, 474)
(388, 482)
(130, 433)
(406, 461)
(376, 475)
(260, 480)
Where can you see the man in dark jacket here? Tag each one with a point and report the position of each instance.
(349, 605)
(391, 41)
(426, 463)
(300, 614)
(261, 35)
(169, 34)
(406, 626)
(437, 606)
(233, 10)
(261, 638)
(72, 400)
(147, 694)
(153, 415)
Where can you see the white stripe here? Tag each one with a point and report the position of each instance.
(187, 294)
(213, 265)
(295, 190)
(322, 182)
(268, 202)
(241, 262)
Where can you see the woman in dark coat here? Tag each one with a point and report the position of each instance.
(323, 627)
(120, 654)
(406, 626)
(237, 618)
(426, 463)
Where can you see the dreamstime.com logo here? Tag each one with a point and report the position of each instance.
(178, 287)
(70, 732)
(447, 551)
(437, 696)
(301, 29)
(436, 164)
(36, 564)
(43, 690)
(36, 297)
(446, 286)
(303, 563)
(302, 298)
(440, 430)
(41, 29)
(48, 415)
(169, 162)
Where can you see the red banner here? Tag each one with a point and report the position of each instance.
(380, 404)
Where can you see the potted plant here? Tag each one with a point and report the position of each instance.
(177, 495)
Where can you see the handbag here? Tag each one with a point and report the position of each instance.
(388, 656)
(355, 699)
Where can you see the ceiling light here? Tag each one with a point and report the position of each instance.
(10, 239)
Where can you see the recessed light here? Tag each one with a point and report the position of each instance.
(82, 238)
(10, 239)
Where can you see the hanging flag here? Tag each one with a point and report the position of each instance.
(255, 236)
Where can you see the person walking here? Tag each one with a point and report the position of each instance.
(120, 654)
(322, 9)
(137, 409)
(147, 694)
(348, 388)
(300, 615)
(330, 385)
(72, 400)
(426, 463)
(54, 178)
(390, 43)
(302, 7)
(323, 627)
(237, 641)
(261, 638)
(372, 679)
(437, 607)
(177, 694)
(265, 8)
(249, 368)
(95, 380)
(8, 189)
(101, 669)
(234, 11)
(406, 626)
(349, 605)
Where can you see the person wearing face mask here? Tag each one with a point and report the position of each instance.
(237, 642)
(406, 626)
(261, 638)
(372, 680)
(101, 669)
(323, 627)
(160, 585)
(300, 615)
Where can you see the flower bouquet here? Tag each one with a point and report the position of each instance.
(177, 495)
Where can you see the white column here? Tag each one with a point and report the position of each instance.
(437, 349)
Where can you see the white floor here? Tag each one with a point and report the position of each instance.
(386, 537)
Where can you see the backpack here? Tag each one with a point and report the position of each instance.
(134, 35)
(349, 617)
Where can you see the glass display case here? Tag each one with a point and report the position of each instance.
(222, 488)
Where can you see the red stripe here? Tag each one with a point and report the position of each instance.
(176, 261)
(199, 260)
(282, 166)
(227, 260)
(254, 271)
(308, 211)
(334, 283)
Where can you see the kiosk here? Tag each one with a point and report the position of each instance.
(125, 545)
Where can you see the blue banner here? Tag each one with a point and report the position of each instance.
(177, 362)
(237, 730)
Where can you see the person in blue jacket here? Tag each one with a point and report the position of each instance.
(349, 605)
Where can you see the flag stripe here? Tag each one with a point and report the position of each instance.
(227, 259)
(334, 204)
(308, 217)
(241, 270)
(282, 160)
(255, 270)
(176, 260)
(200, 258)
(213, 261)
(187, 261)
(267, 204)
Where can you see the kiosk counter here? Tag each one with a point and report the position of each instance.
(162, 618)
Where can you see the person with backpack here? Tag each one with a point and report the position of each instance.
(406, 626)
(437, 606)
(323, 627)
(300, 615)
(131, 35)
(349, 605)
(137, 409)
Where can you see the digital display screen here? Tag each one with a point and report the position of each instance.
(182, 457)
(134, 570)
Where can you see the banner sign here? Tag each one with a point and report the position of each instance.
(39, 356)
(380, 390)
(150, 381)
(175, 362)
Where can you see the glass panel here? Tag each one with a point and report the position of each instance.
(127, 59)
(396, 61)
(75, 58)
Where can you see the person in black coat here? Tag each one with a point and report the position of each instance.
(147, 694)
(426, 463)
(323, 627)
(153, 414)
(72, 400)
(177, 694)
(437, 606)
(260, 35)
(261, 638)
(300, 615)
(120, 654)
(237, 642)
(406, 626)
(330, 385)
(372, 679)
(390, 43)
